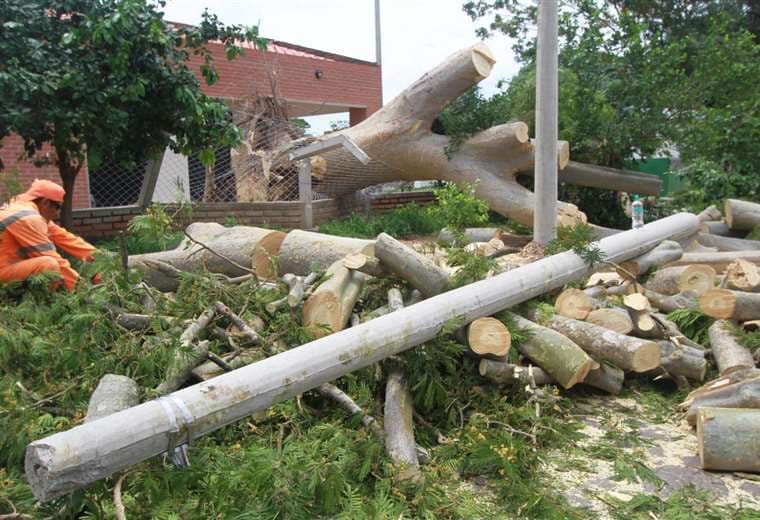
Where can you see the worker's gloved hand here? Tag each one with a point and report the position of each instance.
(97, 279)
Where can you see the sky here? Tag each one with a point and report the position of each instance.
(416, 34)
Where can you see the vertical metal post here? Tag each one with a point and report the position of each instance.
(304, 193)
(544, 217)
(378, 46)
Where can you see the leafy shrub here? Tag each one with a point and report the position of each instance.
(458, 206)
(406, 221)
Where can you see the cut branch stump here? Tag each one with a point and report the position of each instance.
(729, 439)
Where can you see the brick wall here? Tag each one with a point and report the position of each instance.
(390, 201)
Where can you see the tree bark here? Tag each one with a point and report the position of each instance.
(665, 281)
(602, 344)
(113, 394)
(607, 378)
(733, 305)
(68, 171)
(606, 178)
(668, 304)
(709, 213)
(329, 307)
(184, 362)
(729, 439)
(667, 251)
(70, 459)
(331, 391)
(302, 252)
(562, 359)
(399, 425)
(742, 394)
(718, 261)
(717, 227)
(729, 354)
(742, 215)
(418, 270)
(679, 362)
(728, 243)
(507, 373)
(470, 235)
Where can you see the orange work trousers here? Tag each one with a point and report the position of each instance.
(26, 268)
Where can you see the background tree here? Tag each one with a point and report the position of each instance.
(108, 80)
(639, 77)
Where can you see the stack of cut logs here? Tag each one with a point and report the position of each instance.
(596, 333)
(593, 336)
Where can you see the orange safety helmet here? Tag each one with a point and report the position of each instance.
(43, 189)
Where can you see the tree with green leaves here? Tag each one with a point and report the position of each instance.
(109, 80)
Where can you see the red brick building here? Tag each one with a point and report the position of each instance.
(312, 82)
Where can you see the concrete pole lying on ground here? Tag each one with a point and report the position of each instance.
(71, 459)
(547, 122)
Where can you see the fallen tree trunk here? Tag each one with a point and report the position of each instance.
(730, 305)
(602, 344)
(114, 393)
(667, 251)
(665, 281)
(743, 276)
(399, 425)
(718, 261)
(507, 373)
(679, 362)
(718, 227)
(743, 394)
(248, 247)
(742, 215)
(562, 359)
(418, 270)
(668, 304)
(329, 307)
(728, 353)
(729, 439)
(302, 252)
(606, 178)
(607, 378)
(70, 459)
(728, 243)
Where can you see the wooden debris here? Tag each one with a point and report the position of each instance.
(728, 243)
(331, 391)
(606, 377)
(410, 265)
(666, 252)
(329, 307)
(729, 439)
(188, 356)
(668, 304)
(730, 305)
(729, 354)
(680, 362)
(612, 318)
(742, 394)
(743, 276)
(507, 373)
(697, 278)
(490, 338)
(574, 303)
(250, 334)
(114, 393)
(718, 261)
(665, 280)
(741, 214)
(709, 213)
(399, 425)
(557, 355)
(302, 252)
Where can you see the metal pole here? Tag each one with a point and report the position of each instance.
(378, 46)
(544, 217)
(304, 193)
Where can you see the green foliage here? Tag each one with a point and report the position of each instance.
(580, 239)
(458, 206)
(467, 115)
(402, 222)
(110, 79)
(687, 502)
(472, 268)
(693, 324)
(9, 184)
(156, 230)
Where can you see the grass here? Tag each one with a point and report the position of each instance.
(407, 221)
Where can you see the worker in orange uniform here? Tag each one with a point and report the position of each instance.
(29, 237)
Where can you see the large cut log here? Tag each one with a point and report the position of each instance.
(612, 318)
(417, 269)
(603, 177)
(302, 252)
(508, 373)
(742, 215)
(70, 459)
(718, 261)
(743, 276)
(667, 251)
(400, 142)
(680, 362)
(668, 304)
(730, 305)
(697, 279)
(488, 337)
(602, 344)
(732, 378)
(729, 354)
(470, 235)
(743, 394)
(562, 359)
(665, 281)
(607, 378)
(399, 425)
(329, 307)
(728, 243)
(248, 247)
(729, 439)
(574, 303)
(718, 227)
(114, 393)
